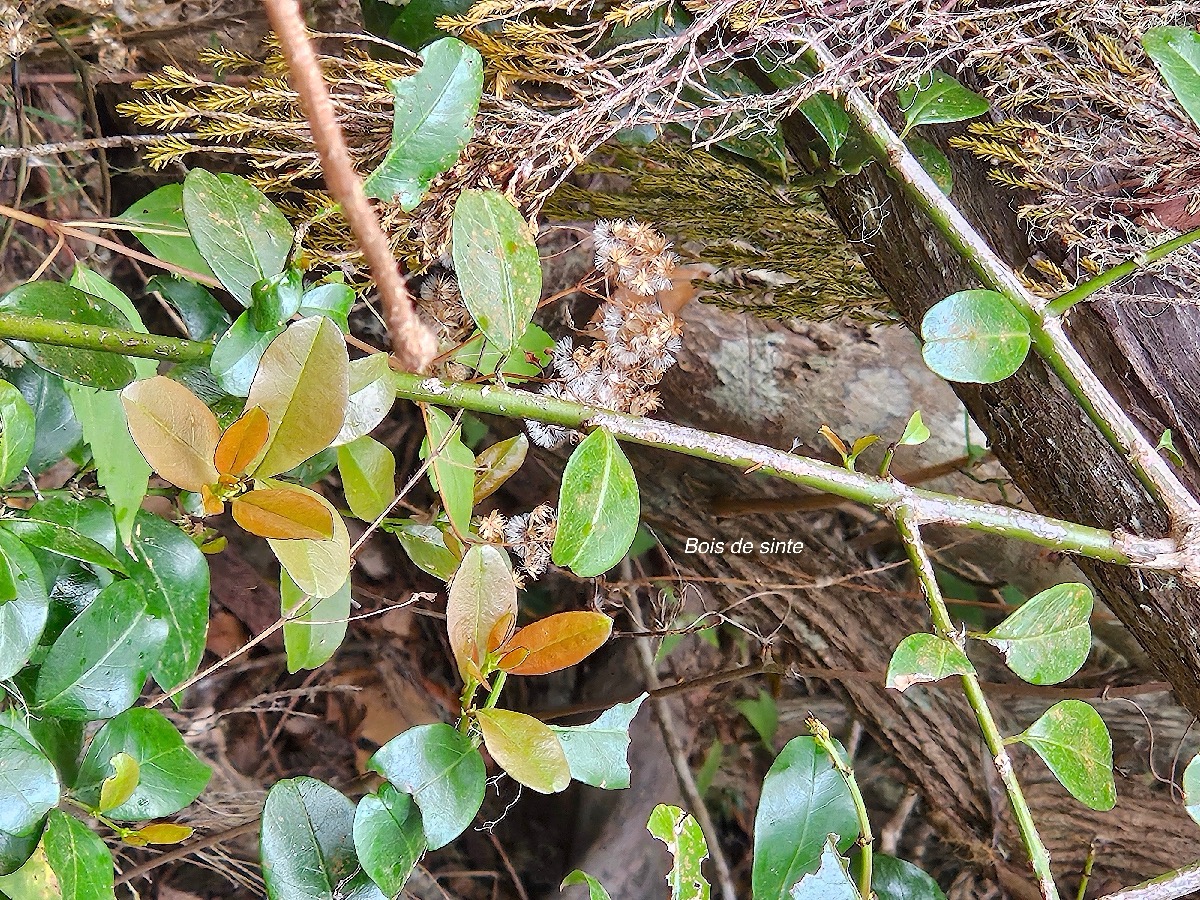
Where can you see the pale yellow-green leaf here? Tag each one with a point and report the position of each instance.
(318, 567)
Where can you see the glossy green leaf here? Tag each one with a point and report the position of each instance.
(162, 211)
(496, 260)
(413, 26)
(275, 299)
(368, 471)
(497, 464)
(302, 384)
(61, 741)
(331, 299)
(15, 852)
(63, 540)
(170, 776)
(895, 879)
(434, 113)
(307, 844)
(426, 547)
(939, 98)
(598, 507)
(318, 568)
(925, 658)
(236, 357)
(443, 772)
(78, 858)
(1191, 788)
(934, 162)
(1176, 53)
(1073, 741)
(203, 317)
(830, 120)
(312, 635)
(372, 393)
(240, 233)
(388, 837)
(120, 785)
(98, 665)
(481, 599)
(831, 880)
(525, 361)
(452, 471)
(804, 800)
(596, 890)
(526, 748)
(597, 753)
(18, 428)
(681, 833)
(57, 431)
(915, 431)
(28, 781)
(23, 613)
(1048, 638)
(53, 301)
(975, 336)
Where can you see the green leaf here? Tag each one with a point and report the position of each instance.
(63, 540)
(15, 852)
(333, 300)
(975, 336)
(434, 113)
(526, 748)
(497, 464)
(239, 232)
(120, 785)
(414, 26)
(829, 119)
(442, 770)
(388, 837)
(452, 472)
(925, 658)
(1176, 53)
(275, 299)
(763, 716)
(803, 801)
(312, 636)
(307, 844)
(98, 665)
(1191, 788)
(51, 301)
(372, 393)
(302, 385)
(482, 599)
(171, 777)
(317, 567)
(1048, 638)
(831, 881)
(597, 752)
(57, 432)
(28, 783)
(426, 548)
(942, 99)
(915, 431)
(162, 210)
(368, 471)
(598, 507)
(23, 612)
(681, 833)
(596, 890)
(79, 859)
(203, 317)
(18, 428)
(895, 879)
(236, 357)
(496, 260)
(526, 361)
(1073, 741)
(173, 574)
(934, 162)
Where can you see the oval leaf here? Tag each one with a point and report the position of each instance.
(923, 658)
(283, 514)
(496, 260)
(28, 781)
(315, 627)
(368, 472)
(975, 336)
(1073, 741)
(388, 838)
(452, 471)
(526, 748)
(333, 300)
(302, 384)
(162, 211)
(434, 111)
(497, 464)
(1176, 53)
(939, 99)
(62, 540)
(895, 879)
(161, 833)
(17, 432)
(555, 642)
(1048, 638)
(426, 547)
(78, 858)
(23, 613)
(598, 507)
(597, 753)
(240, 233)
(372, 393)
(175, 432)
(318, 567)
(482, 595)
(241, 443)
(117, 787)
(443, 772)
(237, 354)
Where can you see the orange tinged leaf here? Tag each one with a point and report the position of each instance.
(526, 749)
(480, 606)
(555, 642)
(213, 505)
(158, 833)
(283, 514)
(174, 430)
(242, 442)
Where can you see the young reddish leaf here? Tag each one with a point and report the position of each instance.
(158, 833)
(242, 442)
(555, 642)
(497, 464)
(482, 594)
(526, 749)
(174, 430)
(283, 514)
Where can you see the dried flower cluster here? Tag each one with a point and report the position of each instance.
(634, 255)
(530, 536)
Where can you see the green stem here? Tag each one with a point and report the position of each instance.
(910, 532)
(93, 337)
(494, 695)
(1059, 305)
(866, 838)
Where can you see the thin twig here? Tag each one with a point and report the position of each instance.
(413, 344)
(187, 850)
(88, 144)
